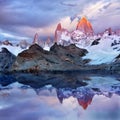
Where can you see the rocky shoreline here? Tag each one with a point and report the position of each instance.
(58, 59)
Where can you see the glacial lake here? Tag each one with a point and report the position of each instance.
(63, 96)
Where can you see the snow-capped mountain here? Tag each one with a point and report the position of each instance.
(102, 48)
(107, 49)
(83, 35)
(15, 48)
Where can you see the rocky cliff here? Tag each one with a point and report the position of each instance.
(59, 58)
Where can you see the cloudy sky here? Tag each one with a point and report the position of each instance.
(21, 19)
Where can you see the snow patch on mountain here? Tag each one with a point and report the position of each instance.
(47, 48)
(13, 49)
(105, 51)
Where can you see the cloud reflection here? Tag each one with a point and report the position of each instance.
(23, 103)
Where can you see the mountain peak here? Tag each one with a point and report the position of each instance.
(85, 26)
(35, 41)
(84, 18)
(58, 29)
(84, 103)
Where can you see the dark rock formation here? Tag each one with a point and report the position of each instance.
(115, 66)
(6, 60)
(6, 42)
(117, 58)
(95, 42)
(59, 58)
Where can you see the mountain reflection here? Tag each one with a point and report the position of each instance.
(90, 92)
(84, 96)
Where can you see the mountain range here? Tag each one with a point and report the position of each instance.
(80, 49)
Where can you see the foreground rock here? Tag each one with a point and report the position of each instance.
(59, 58)
(6, 60)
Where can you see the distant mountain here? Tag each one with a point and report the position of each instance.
(98, 46)
(85, 26)
(35, 40)
(83, 31)
(57, 31)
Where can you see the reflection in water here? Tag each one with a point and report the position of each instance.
(84, 102)
(97, 100)
(84, 95)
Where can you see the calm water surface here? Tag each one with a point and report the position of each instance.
(98, 99)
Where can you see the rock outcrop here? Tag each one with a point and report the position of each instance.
(59, 58)
(6, 42)
(6, 60)
(115, 66)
